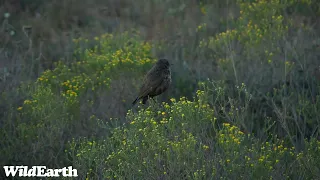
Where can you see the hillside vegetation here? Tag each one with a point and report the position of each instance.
(244, 101)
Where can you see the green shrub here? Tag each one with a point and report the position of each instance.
(62, 103)
(257, 49)
(183, 140)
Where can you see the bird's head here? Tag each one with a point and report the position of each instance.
(164, 63)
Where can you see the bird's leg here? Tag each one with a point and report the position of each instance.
(145, 99)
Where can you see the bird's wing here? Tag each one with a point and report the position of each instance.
(151, 82)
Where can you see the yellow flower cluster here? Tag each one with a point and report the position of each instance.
(230, 135)
(97, 63)
(27, 102)
(253, 25)
(225, 36)
(201, 26)
(45, 76)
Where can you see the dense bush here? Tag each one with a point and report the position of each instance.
(63, 102)
(184, 140)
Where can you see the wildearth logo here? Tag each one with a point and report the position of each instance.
(39, 171)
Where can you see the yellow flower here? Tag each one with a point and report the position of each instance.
(173, 100)
(226, 124)
(261, 159)
(27, 102)
(203, 10)
(205, 147)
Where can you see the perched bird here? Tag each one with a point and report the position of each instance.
(156, 81)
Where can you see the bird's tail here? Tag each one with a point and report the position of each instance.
(135, 101)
